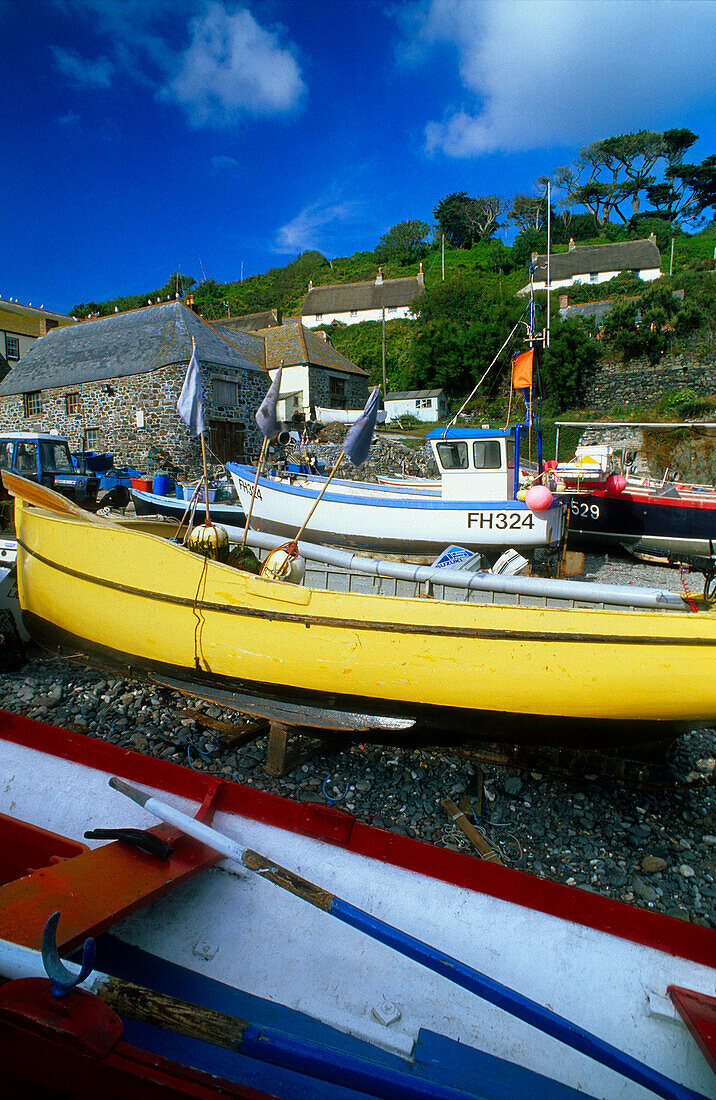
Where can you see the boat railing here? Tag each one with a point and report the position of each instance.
(329, 578)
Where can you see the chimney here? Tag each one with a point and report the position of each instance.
(310, 284)
(563, 301)
(421, 276)
(189, 300)
(571, 244)
(652, 238)
(43, 326)
(379, 277)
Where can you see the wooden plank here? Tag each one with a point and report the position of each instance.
(456, 815)
(230, 734)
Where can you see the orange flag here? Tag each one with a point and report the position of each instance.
(522, 370)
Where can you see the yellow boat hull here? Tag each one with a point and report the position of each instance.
(559, 675)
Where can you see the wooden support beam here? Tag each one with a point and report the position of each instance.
(231, 734)
(282, 757)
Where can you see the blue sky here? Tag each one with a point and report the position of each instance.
(144, 136)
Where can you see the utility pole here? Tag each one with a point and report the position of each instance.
(443, 256)
(385, 384)
(671, 261)
(549, 244)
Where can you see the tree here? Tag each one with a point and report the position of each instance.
(404, 244)
(460, 327)
(570, 355)
(688, 191)
(527, 212)
(463, 219)
(616, 170)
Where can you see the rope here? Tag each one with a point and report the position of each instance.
(687, 594)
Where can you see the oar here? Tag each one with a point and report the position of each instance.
(433, 959)
(266, 1044)
(34, 493)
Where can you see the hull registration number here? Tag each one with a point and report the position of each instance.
(500, 521)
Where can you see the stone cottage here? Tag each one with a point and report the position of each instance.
(315, 374)
(113, 382)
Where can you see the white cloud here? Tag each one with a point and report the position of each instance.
(91, 74)
(224, 164)
(312, 225)
(564, 71)
(233, 67)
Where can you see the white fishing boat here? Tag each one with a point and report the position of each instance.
(246, 945)
(477, 506)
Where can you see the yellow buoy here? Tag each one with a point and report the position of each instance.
(210, 541)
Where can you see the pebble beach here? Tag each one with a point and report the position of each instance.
(652, 847)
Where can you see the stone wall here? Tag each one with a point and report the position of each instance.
(155, 395)
(319, 388)
(612, 383)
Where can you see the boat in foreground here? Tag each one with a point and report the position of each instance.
(540, 671)
(405, 971)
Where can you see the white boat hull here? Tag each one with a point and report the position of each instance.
(394, 521)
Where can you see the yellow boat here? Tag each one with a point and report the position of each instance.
(547, 674)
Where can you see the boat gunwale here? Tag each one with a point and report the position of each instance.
(386, 626)
(404, 501)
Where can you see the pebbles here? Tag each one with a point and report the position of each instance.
(653, 850)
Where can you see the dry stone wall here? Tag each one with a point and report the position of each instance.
(613, 383)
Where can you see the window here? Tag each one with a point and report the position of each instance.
(92, 439)
(226, 392)
(392, 309)
(72, 403)
(453, 456)
(354, 313)
(12, 347)
(337, 393)
(594, 276)
(423, 403)
(33, 403)
(56, 458)
(510, 454)
(319, 316)
(486, 454)
(26, 459)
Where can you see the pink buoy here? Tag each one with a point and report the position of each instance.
(615, 484)
(538, 498)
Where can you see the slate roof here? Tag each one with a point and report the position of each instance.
(25, 320)
(601, 309)
(362, 296)
(251, 322)
(124, 344)
(621, 256)
(296, 345)
(407, 395)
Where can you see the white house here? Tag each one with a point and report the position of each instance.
(428, 405)
(596, 263)
(350, 303)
